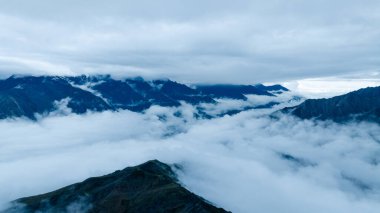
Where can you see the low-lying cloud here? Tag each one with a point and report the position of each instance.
(249, 162)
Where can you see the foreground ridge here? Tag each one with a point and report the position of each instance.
(149, 187)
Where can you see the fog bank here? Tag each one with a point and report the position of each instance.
(249, 162)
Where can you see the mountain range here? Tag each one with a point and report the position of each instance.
(29, 96)
(152, 186)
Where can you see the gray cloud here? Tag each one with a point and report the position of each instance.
(244, 163)
(203, 41)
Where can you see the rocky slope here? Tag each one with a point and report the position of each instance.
(363, 104)
(150, 187)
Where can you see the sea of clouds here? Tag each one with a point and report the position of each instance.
(253, 161)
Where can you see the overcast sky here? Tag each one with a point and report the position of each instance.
(192, 41)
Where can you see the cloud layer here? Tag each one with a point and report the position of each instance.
(196, 41)
(245, 163)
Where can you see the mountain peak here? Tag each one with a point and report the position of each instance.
(149, 187)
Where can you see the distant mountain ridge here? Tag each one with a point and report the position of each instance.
(26, 96)
(150, 187)
(232, 91)
(360, 105)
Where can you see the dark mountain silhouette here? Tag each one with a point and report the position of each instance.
(27, 96)
(134, 94)
(152, 94)
(232, 91)
(275, 89)
(361, 105)
(150, 187)
(182, 92)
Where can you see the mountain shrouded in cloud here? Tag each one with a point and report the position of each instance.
(30, 96)
(361, 105)
(150, 187)
(248, 162)
(247, 105)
